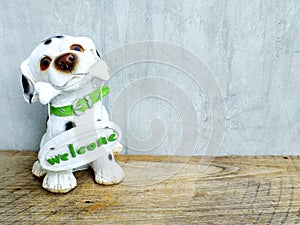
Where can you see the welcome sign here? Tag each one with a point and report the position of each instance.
(79, 146)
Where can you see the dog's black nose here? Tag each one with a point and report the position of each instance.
(66, 62)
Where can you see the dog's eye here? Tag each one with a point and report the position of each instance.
(45, 63)
(77, 47)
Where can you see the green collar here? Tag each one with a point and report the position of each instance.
(81, 104)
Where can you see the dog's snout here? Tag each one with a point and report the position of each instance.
(66, 62)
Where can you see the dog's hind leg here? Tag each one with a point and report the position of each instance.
(107, 171)
(38, 170)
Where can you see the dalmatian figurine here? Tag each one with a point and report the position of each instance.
(56, 73)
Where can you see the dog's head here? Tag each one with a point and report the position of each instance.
(60, 63)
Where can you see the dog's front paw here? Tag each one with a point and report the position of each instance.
(38, 170)
(107, 171)
(59, 182)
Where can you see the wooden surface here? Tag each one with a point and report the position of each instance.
(158, 190)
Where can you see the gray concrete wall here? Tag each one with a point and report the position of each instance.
(252, 48)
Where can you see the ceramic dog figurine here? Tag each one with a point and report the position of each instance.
(58, 73)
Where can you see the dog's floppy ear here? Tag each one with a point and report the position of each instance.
(34, 91)
(46, 92)
(29, 90)
(99, 70)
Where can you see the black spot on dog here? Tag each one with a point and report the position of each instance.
(30, 98)
(98, 54)
(47, 120)
(25, 84)
(110, 157)
(48, 41)
(69, 125)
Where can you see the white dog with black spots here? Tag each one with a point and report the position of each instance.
(56, 74)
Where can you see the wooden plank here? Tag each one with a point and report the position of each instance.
(158, 190)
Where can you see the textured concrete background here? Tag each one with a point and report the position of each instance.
(252, 47)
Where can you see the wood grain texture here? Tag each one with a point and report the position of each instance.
(158, 190)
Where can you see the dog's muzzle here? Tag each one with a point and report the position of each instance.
(66, 62)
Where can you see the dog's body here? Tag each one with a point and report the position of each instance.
(57, 73)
